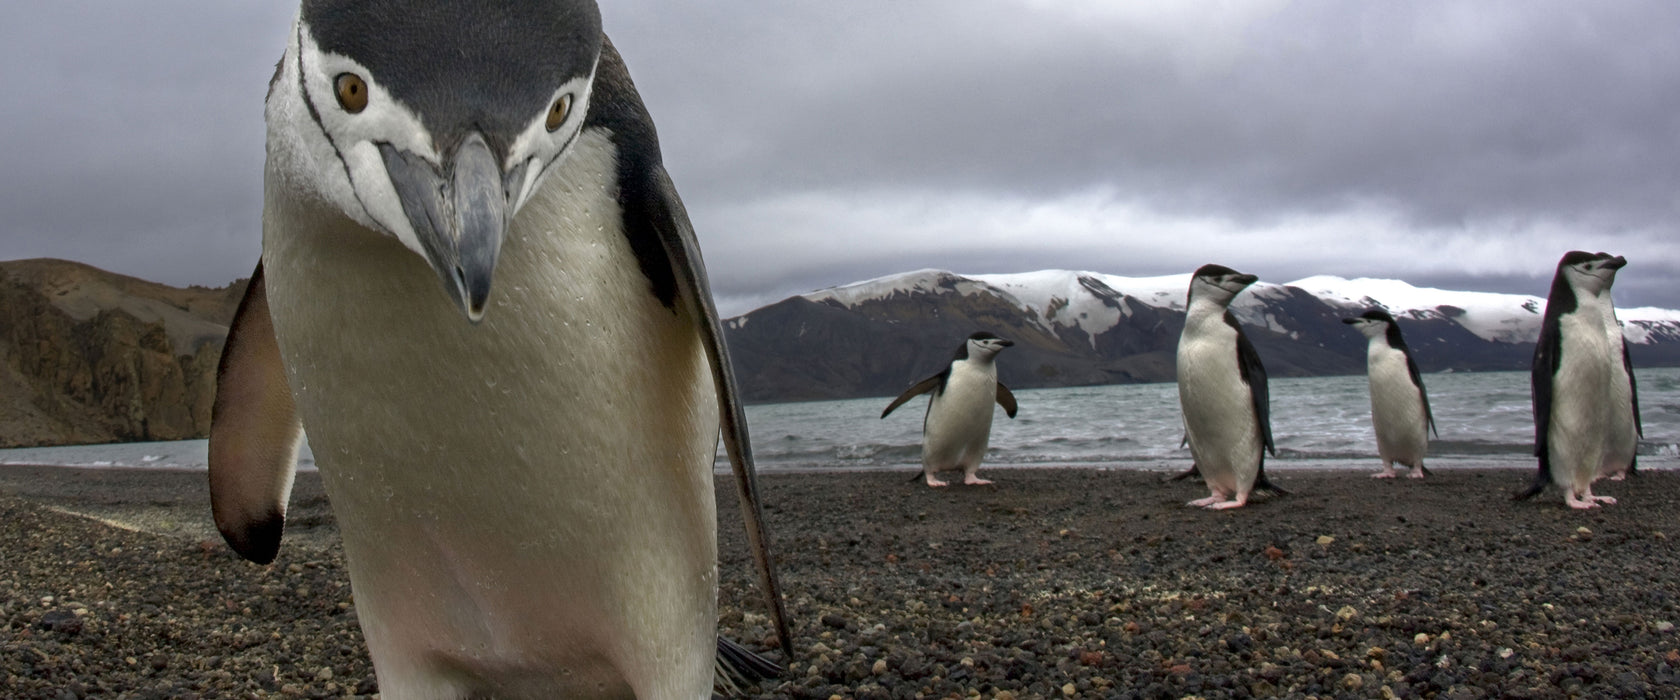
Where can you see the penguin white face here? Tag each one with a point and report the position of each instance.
(1590, 274)
(986, 346)
(1218, 284)
(432, 127)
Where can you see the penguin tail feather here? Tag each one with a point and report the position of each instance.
(736, 666)
(918, 476)
(1264, 485)
(1532, 491)
(1192, 471)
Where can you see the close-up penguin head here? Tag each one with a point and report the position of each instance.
(1589, 273)
(1377, 323)
(983, 344)
(367, 112)
(1218, 283)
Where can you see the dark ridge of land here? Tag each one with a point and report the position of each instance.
(1053, 582)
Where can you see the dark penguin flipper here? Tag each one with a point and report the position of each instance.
(737, 666)
(254, 432)
(1254, 375)
(652, 211)
(1547, 356)
(1417, 381)
(917, 389)
(1006, 399)
(1633, 391)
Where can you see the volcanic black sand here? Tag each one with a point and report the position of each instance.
(1055, 581)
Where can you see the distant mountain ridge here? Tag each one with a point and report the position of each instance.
(92, 356)
(1072, 328)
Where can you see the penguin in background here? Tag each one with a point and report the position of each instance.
(1222, 390)
(1400, 411)
(957, 428)
(1586, 405)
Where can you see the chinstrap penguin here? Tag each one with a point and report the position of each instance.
(958, 426)
(1586, 406)
(522, 475)
(1222, 391)
(1400, 411)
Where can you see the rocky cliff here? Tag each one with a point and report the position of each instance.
(90, 356)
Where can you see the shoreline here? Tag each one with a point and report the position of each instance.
(1097, 582)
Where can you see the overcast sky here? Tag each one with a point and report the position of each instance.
(1458, 144)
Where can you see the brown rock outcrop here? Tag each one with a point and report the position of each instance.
(90, 356)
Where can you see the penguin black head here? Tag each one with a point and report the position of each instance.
(1218, 283)
(432, 122)
(982, 344)
(1587, 273)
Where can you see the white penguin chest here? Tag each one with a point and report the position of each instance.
(967, 399)
(1209, 377)
(483, 475)
(1392, 391)
(1584, 351)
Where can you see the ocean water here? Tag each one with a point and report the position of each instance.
(1484, 420)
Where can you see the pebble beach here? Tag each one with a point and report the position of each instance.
(1051, 583)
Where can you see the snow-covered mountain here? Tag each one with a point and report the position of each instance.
(1081, 299)
(876, 336)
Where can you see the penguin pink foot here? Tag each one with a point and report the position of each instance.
(975, 481)
(1578, 503)
(1240, 501)
(1205, 502)
(934, 481)
(1415, 473)
(1386, 473)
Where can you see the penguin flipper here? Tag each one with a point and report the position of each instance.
(1547, 356)
(254, 432)
(736, 666)
(1417, 381)
(1633, 391)
(1254, 375)
(1006, 399)
(665, 215)
(917, 389)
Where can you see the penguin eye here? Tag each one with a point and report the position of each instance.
(557, 113)
(352, 92)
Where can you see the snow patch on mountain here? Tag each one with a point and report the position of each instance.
(1508, 318)
(1095, 302)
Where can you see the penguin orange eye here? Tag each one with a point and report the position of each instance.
(557, 113)
(352, 92)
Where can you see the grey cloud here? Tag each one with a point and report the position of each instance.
(134, 133)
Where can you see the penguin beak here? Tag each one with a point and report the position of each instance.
(1352, 321)
(1005, 343)
(1616, 263)
(1246, 279)
(459, 213)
